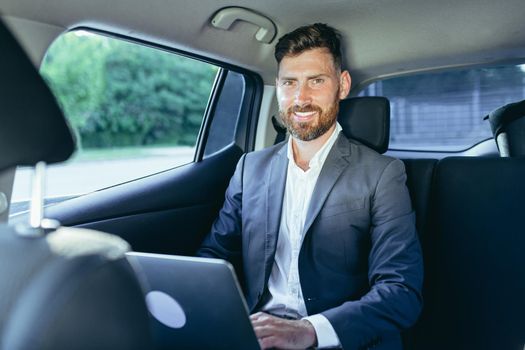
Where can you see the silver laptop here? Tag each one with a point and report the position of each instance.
(195, 303)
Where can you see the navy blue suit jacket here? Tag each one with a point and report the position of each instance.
(360, 264)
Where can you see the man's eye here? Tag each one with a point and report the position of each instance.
(287, 83)
(317, 81)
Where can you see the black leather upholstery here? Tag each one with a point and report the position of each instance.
(72, 289)
(33, 127)
(420, 173)
(474, 256)
(419, 180)
(469, 219)
(508, 127)
(367, 120)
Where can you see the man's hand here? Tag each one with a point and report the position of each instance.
(275, 332)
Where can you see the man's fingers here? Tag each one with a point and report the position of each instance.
(273, 332)
(264, 319)
(265, 331)
(268, 342)
(266, 326)
(258, 315)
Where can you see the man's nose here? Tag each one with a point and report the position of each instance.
(302, 95)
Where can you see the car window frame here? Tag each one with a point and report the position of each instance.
(246, 125)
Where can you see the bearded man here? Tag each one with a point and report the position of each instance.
(320, 228)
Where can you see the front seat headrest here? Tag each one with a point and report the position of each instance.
(508, 127)
(68, 288)
(367, 120)
(71, 289)
(33, 126)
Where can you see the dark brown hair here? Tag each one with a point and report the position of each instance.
(313, 36)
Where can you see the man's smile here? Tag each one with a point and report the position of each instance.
(304, 116)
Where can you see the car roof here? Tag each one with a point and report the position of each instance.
(381, 37)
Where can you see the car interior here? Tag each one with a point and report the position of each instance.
(53, 278)
(73, 283)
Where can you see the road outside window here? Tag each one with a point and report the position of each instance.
(135, 111)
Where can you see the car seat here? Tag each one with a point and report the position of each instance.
(61, 288)
(508, 127)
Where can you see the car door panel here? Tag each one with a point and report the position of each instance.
(169, 212)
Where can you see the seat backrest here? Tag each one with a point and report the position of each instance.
(470, 223)
(419, 180)
(69, 288)
(474, 256)
(367, 120)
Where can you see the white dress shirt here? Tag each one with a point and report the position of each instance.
(284, 284)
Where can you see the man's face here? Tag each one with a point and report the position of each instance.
(309, 88)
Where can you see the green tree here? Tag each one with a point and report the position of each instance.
(117, 93)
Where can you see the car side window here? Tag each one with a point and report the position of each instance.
(444, 111)
(226, 114)
(135, 110)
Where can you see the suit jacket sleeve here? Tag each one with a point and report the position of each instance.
(395, 270)
(224, 239)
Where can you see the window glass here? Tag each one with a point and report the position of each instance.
(227, 112)
(135, 111)
(444, 111)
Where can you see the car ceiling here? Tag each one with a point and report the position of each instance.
(382, 37)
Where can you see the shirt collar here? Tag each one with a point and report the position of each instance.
(321, 155)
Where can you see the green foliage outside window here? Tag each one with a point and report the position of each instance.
(117, 93)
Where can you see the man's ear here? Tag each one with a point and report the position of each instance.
(345, 82)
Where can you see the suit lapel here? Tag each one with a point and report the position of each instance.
(335, 163)
(274, 203)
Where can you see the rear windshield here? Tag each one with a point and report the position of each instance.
(444, 111)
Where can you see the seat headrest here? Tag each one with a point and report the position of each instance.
(508, 127)
(75, 287)
(501, 117)
(367, 120)
(33, 126)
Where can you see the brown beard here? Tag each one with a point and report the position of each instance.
(307, 131)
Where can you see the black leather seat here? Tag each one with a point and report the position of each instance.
(65, 288)
(470, 221)
(367, 120)
(420, 173)
(474, 256)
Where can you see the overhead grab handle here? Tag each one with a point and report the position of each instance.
(225, 18)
